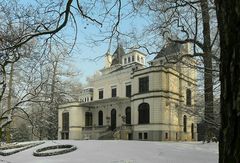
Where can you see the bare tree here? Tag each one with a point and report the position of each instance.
(42, 110)
(45, 20)
(22, 25)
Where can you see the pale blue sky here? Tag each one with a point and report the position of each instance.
(84, 52)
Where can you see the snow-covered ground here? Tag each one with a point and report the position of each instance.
(116, 151)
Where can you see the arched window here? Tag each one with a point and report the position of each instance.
(100, 118)
(166, 135)
(128, 115)
(184, 123)
(143, 113)
(113, 119)
(188, 97)
(192, 130)
(88, 119)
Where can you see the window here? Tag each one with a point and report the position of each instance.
(166, 135)
(138, 59)
(141, 59)
(192, 130)
(128, 115)
(64, 135)
(129, 59)
(128, 90)
(161, 62)
(100, 94)
(143, 113)
(113, 119)
(184, 123)
(91, 98)
(143, 84)
(100, 118)
(88, 119)
(133, 58)
(65, 121)
(130, 136)
(125, 60)
(188, 97)
(114, 92)
(140, 136)
(145, 135)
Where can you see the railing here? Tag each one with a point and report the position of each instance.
(94, 132)
(101, 131)
(87, 128)
(125, 127)
(95, 128)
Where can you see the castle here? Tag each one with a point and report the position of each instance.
(132, 101)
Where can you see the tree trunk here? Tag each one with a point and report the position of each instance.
(52, 128)
(9, 103)
(228, 13)
(208, 77)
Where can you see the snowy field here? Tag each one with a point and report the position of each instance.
(115, 151)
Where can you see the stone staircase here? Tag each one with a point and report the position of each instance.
(108, 135)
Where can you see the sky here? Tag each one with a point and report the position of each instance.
(86, 55)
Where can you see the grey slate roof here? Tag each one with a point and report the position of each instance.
(170, 48)
(117, 55)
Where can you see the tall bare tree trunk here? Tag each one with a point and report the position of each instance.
(52, 129)
(3, 87)
(9, 102)
(228, 13)
(208, 77)
(53, 84)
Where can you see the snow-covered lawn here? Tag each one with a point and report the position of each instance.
(117, 151)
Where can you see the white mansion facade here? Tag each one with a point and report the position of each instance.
(132, 101)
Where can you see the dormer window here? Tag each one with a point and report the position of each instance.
(133, 58)
(161, 62)
(129, 59)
